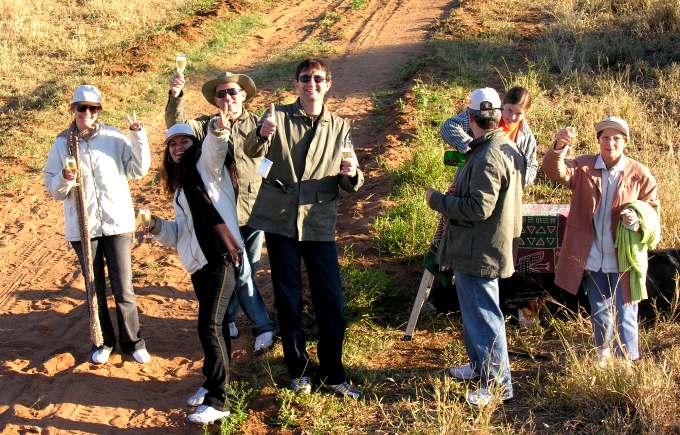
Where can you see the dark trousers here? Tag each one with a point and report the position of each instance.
(214, 285)
(114, 253)
(321, 262)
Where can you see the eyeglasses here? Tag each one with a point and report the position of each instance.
(229, 91)
(306, 78)
(83, 107)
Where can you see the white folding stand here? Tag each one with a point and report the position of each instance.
(421, 297)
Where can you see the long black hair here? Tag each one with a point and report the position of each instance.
(173, 172)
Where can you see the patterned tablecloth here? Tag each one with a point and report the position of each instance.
(543, 228)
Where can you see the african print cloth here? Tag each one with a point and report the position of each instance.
(543, 228)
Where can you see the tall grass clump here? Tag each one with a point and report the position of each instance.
(438, 408)
(406, 229)
(642, 397)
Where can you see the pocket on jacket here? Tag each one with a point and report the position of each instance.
(273, 203)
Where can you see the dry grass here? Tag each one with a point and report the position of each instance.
(59, 41)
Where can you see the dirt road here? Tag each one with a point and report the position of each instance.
(47, 383)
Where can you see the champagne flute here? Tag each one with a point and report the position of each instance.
(346, 153)
(145, 218)
(70, 163)
(571, 131)
(181, 60)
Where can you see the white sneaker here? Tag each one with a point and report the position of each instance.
(483, 397)
(197, 398)
(206, 414)
(233, 330)
(263, 341)
(141, 356)
(604, 356)
(101, 355)
(464, 373)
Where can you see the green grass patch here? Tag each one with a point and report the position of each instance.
(356, 5)
(240, 393)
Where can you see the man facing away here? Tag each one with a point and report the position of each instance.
(234, 90)
(484, 224)
(303, 144)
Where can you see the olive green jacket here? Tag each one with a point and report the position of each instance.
(305, 208)
(484, 211)
(249, 180)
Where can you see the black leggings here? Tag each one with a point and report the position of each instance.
(214, 285)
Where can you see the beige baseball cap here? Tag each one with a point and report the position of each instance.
(614, 122)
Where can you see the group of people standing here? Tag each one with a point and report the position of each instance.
(613, 219)
(236, 179)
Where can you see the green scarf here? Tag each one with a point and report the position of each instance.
(632, 247)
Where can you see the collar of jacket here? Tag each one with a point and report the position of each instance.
(484, 138)
(299, 112)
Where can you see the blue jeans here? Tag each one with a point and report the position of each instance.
(606, 303)
(113, 253)
(484, 329)
(321, 261)
(247, 294)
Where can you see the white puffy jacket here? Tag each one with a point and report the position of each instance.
(107, 159)
(180, 232)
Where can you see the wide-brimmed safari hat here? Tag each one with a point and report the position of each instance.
(614, 122)
(87, 94)
(179, 130)
(245, 82)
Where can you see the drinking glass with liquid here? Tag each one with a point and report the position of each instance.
(181, 61)
(145, 219)
(571, 131)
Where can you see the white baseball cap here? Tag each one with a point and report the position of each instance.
(484, 99)
(179, 129)
(87, 94)
(614, 122)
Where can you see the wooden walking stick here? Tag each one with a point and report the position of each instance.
(88, 273)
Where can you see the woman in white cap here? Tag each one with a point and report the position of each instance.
(602, 186)
(107, 158)
(206, 233)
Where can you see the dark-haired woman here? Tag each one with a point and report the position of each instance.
(206, 234)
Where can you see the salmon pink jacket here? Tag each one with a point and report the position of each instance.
(634, 183)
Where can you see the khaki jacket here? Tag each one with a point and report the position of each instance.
(305, 208)
(485, 210)
(635, 182)
(249, 180)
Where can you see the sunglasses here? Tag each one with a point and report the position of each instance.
(83, 107)
(306, 78)
(229, 91)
